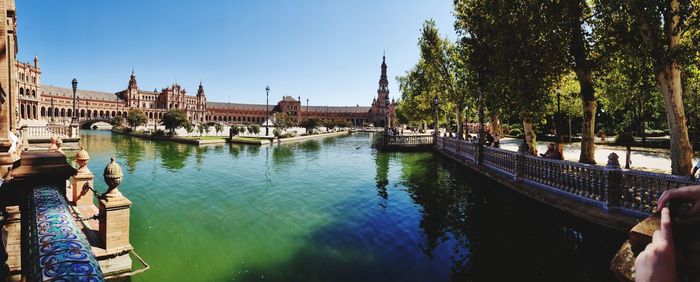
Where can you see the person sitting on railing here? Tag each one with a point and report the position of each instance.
(695, 170)
(658, 260)
(551, 153)
(489, 139)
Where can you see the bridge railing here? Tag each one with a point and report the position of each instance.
(641, 189)
(499, 158)
(41, 132)
(408, 140)
(57, 248)
(612, 188)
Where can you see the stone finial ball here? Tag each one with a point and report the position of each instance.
(113, 175)
(53, 138)
(82, 155)
(59, 141)
(613, 160)
(113, 170)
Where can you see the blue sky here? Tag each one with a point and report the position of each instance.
(327, 51)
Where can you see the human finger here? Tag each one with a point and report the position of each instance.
(679, 193)
(666, 233)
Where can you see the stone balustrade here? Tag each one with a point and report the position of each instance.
(406, 142)
(58, 250)
(611, 188)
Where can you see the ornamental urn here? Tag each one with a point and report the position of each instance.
(82, 158)
(113, 177)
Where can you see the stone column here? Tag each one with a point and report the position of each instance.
(520, 162)
(11, 236)
(25, 137)
(114, 223)
(115, 209)
(613, 182)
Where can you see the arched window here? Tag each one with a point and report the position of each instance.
(22, 111)
(63, 113)
(82, 113)
(34, 93)
(43, 111)
(70, 113)
(21, 91)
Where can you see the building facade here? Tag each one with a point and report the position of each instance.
(45, 103)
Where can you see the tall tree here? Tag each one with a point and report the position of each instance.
(445, 70)
(579, 47)
(172, 119)
(136, 118)
(669, 29)
(518, 51)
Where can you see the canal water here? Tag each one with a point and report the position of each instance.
(336, 210)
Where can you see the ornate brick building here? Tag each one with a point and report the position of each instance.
(44, 103)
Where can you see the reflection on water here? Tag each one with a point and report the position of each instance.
(322, 211)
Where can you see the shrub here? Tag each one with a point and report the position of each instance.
(158, 132)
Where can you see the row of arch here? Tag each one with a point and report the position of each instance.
(28, 92)
(235, 119)
(83, 113)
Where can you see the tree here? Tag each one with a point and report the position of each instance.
(117, 122)
(218, 128)
(136, 118)
(309, 124)
(669, 30)
(172, 119)
(282, 121)
(444, 70)
(235, 130)
(202, 128)
(189, 127)
(577, 11)
(254, 129)
(517, 49)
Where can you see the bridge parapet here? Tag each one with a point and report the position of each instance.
(58, 249)
(610, 188)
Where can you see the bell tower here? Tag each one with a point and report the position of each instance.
(381, 104)
(132, 92)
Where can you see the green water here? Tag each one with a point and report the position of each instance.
(336, 210)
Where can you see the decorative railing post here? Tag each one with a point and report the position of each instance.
(82, 181)
(12, 233)
(613, 182)
(520, 162)
(114, 211)
(479, 158)
(25, 137)
(457, 146)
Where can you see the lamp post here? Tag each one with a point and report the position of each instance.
(480, 133)
(267, 111)
(558, 125)
(75, 88)
(436, 102)
(307, 107)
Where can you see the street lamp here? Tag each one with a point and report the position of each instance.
(75, 88)
(480, 133)
(558, 125)
(267, 111)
